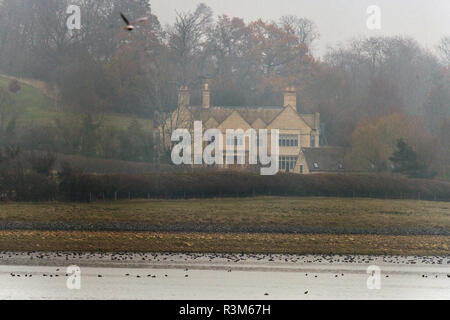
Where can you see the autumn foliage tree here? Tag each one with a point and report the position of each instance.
(375, 139)
(370, 91)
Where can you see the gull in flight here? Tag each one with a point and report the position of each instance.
(130, 26)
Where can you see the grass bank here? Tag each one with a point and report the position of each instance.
(37, 108)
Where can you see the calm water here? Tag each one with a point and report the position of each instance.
(223, 277)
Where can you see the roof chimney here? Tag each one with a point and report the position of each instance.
(290, 97)
(317, 121)
(184, 97)
(206, 97)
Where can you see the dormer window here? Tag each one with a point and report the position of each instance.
(316, 165)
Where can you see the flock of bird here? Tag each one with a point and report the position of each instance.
(223, 261)
(193, 260)
(145, 258)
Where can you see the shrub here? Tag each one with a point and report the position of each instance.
(42, 163)
(34, 187)
(14, 86)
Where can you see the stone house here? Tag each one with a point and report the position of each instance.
(296, 131)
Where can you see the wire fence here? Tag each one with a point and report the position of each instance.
(91, 188)
(130, 195)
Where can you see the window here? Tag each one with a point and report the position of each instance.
(235, 141)
(301, 168)
(288, 141)
(282, 163)
(316, 165)
(313, 141)
(211, 140)
(287, 163)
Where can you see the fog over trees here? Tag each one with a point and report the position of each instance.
(371, 92)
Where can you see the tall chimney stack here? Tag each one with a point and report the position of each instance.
(206, 97)
(184, 97)
(290, 97)
(317, 121)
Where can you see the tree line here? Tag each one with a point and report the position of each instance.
(370, 92)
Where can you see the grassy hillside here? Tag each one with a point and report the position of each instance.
(37, 108)
(31, 103)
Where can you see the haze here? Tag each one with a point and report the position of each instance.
(337, 20)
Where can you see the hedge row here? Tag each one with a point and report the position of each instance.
(82, 187)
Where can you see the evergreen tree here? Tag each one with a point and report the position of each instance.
(405, 162)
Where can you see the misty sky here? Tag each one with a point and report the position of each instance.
(338, 20)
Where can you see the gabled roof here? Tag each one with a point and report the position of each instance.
(204, 115)
(325, 159)
(238, 122)
(249, 114)
(290, 110)
(309, 119)
(259, 124)
(211, 123)
(262, 117)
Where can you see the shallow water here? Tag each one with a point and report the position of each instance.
(222, 277)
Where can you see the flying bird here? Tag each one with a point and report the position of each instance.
(130, 26)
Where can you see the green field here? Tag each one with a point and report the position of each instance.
(36, 109)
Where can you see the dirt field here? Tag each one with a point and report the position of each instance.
(252, 225)
(222, 243)
(263, 214)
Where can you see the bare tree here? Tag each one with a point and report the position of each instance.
(305, 29)
(42, 163)
(444, 49)
(187, 37)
